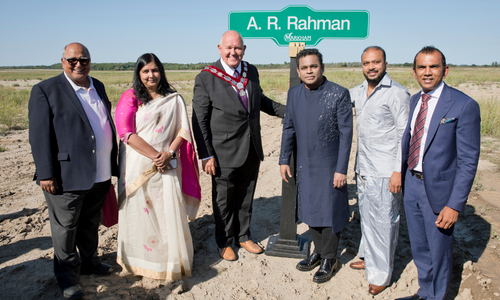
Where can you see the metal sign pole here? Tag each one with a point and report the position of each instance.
(287, 243)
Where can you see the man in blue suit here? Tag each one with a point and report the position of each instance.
(73, 143)
(440, 149)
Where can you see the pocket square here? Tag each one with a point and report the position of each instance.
(448, 120)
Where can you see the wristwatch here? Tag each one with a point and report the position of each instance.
(172, 152)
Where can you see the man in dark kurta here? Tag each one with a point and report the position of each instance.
(318, 121)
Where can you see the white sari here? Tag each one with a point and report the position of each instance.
(154, 240)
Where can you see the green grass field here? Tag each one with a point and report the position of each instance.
(14, 100)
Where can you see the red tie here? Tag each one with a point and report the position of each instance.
(244, 99)
(418, 132)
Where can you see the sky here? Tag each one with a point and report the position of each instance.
(34, 32)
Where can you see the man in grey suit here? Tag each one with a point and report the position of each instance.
(226, 124)
(73, 143)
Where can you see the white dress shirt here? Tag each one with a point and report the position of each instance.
(98, 118)
(230, 71)
(431, 106)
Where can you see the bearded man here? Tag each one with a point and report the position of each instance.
(382, 107)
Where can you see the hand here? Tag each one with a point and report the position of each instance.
(339, 180)
(395, 182)
(209, 165)
(285, 170)
(162, 161)
(49, 185)
(447, 218)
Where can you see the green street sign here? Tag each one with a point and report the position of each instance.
(300, 23)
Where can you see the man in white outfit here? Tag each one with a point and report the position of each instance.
(382, 107)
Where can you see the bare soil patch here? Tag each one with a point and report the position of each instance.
(26, 248)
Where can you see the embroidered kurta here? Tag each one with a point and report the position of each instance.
(319, 122)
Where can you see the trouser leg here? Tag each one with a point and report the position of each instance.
(73, 216)
(246, 179)
(380, 227)
(432, 248)
(233, 190)
(64, 211)
(326, 243)
(222, 196)
(360, 184)
(87, 234)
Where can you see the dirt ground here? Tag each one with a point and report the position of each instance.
(26, 268)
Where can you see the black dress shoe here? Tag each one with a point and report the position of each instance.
(73, 292)
(100, 269)
(309, 263)
(414, 297)
(326, 270)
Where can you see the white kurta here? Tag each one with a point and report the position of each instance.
(381, 120)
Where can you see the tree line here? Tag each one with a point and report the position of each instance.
(129, 66)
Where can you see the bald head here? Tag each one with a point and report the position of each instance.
(233, 34)
(76, 45)
(231, 48)
(76, 63)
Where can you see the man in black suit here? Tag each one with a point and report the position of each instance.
(73, 143)
(226, 123)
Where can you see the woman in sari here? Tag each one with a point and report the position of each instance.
(158, 187)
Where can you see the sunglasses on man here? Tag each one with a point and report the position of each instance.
(73, 61)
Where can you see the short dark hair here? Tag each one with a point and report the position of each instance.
(429, 50)
(141, 91)
(376, 48)
(306, 52)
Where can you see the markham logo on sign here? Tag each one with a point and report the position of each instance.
(301, 24)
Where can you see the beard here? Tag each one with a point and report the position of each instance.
(375, 80)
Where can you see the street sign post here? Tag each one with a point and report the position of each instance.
(300, 23)
(296, 27)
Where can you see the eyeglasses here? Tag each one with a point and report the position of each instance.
(73, 61)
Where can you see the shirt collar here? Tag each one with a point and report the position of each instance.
(228, 69)
(436, 93)
(77, 87)
(385, 81)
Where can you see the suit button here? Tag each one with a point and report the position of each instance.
(93, 151)
(92, 137)
(248, 135)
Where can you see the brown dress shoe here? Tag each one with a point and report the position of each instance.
(376, 289)
(252, 247)
(227, 253)
(358, 265)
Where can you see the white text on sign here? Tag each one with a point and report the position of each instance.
(294, 23)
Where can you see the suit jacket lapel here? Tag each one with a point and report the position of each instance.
(250, 85)
(229, 88)
(442, 107)
(72, 98)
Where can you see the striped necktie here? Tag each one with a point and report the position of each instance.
(418, 132)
